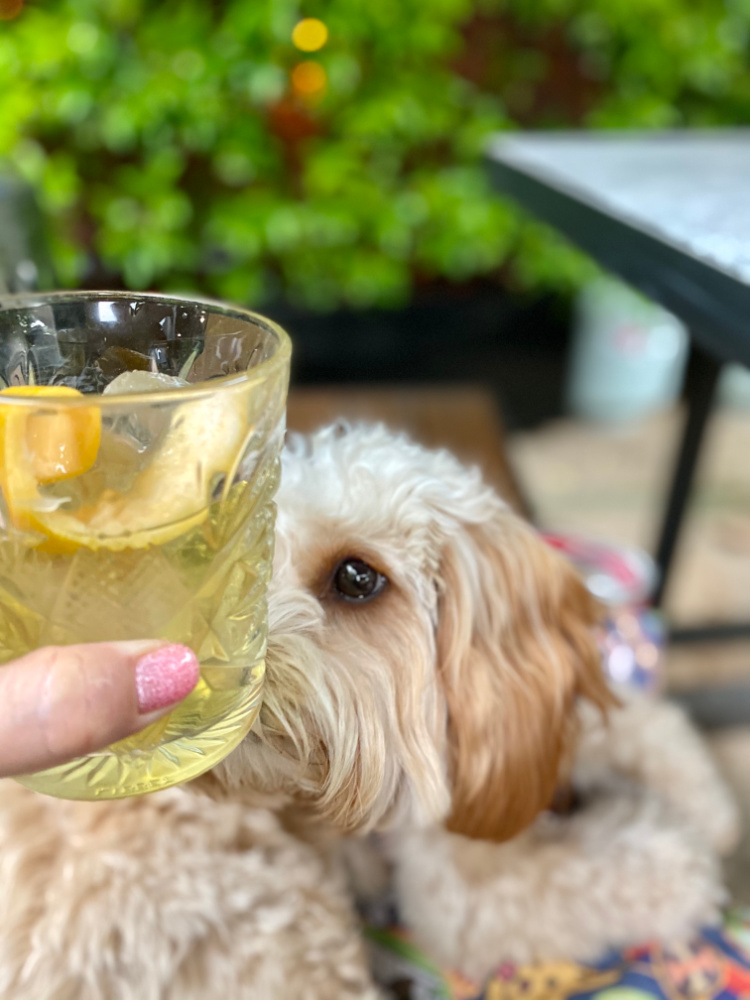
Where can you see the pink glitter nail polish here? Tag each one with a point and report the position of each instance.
(165, 676)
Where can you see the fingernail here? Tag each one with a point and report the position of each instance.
(165, 676)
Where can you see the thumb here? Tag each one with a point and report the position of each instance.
(61, 702)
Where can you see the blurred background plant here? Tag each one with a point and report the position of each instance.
(225, 147)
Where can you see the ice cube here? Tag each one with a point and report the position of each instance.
(140, 381)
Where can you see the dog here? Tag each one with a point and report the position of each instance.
(433, 677)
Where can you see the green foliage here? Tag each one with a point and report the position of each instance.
(168, 150)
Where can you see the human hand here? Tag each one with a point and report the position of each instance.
(61, 702)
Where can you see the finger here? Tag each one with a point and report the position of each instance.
(62, 702)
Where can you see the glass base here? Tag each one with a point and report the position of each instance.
(113, 775)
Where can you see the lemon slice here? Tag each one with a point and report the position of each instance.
(43, 446)
(168, 498)
(172, 494)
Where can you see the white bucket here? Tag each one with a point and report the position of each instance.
(734, 387)
(628, 355)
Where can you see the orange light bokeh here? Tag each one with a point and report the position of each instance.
(310, 35)
(10, 9)
(309, 78)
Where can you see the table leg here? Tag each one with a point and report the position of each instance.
(704, 375)
(712, 706)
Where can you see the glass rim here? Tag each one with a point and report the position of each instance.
(246, 379)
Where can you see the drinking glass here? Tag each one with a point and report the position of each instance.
(139, 455)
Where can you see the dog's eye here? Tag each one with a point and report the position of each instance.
(354, 580)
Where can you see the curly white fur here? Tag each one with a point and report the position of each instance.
(170, 897)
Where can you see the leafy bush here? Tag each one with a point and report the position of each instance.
(169, 149)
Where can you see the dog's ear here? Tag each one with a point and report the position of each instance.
(516, 647)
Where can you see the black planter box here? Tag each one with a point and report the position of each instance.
(517, 346)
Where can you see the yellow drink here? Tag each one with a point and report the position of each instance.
(150, 516)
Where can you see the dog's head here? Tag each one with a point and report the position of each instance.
(425, 648)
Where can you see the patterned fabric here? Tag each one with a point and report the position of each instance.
(715, 966)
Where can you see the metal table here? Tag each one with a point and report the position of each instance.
(669, 212)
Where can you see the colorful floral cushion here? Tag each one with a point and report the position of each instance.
(715, 966)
